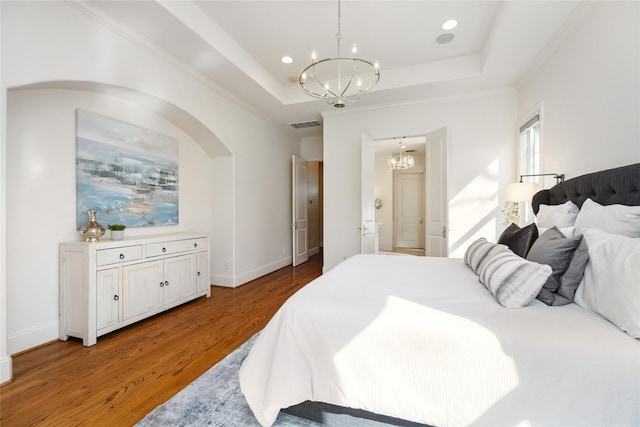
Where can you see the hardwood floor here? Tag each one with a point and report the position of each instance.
(133, 370)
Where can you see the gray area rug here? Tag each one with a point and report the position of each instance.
(215, 399)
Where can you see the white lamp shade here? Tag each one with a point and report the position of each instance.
(520, 192)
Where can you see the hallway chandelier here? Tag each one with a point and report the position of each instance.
(400, 161)
(320, 80)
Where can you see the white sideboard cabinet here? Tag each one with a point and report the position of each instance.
(106, 285)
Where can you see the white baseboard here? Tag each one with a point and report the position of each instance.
(248, 276)
(225, 280)
(33, 337)
(6, 372)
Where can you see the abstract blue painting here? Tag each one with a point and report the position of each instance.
(126, 173)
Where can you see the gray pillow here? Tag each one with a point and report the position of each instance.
(573, 276)
(562, 255)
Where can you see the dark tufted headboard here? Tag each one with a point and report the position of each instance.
(613, 186)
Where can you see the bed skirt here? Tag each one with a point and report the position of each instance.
(338, 416)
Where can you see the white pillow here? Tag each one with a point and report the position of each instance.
(563, 215)
(611, 283)
(513, 280)
(616, 219)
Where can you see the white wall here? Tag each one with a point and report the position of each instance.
(311, 148)
(590, 88)
(41, 197)
(482, 133)
(44, 42)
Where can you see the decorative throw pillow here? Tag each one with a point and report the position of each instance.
(616, 219)
(480, 251)
(572, 278)
(563, 215)
(513, 280)
(566, 231)
(557, 251)
(519, 240)
(611, 285)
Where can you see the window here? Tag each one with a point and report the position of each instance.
(530, 148)
(530, 155)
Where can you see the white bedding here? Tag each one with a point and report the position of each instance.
(421, 339)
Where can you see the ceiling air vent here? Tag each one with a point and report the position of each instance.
(303, 125)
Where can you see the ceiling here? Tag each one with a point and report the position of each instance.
(236, 46)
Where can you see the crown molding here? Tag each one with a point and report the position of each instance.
(113, 25)
(550, 49)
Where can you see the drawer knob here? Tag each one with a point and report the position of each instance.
(161, 284)
(164, 249)
(195, 245)
(198, 273)
(121, 256)
(116, 297)
(166, 283)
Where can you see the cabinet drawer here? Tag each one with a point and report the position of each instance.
(112, 256)
(164, 248)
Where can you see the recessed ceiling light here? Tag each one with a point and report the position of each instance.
(286, 59)
(450, 25)
(445, 38)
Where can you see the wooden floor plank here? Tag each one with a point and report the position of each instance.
(133, 370)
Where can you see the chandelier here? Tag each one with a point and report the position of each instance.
(400, 161)
(339, 79)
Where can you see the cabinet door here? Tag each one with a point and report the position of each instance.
(202, 271)
(142, 288)
(179, 278)
(107, 298)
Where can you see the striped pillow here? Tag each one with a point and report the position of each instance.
(480, 252)
(513, 280)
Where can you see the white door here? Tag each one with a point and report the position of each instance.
(437, 204)
(300, 216)
(409, 209)
(367, 223)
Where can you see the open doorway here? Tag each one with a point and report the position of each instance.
(307, 196)
(411, 207)
(400, 210)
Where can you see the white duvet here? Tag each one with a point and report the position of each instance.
(421, 339)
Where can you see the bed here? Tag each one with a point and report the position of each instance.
(421, 341)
